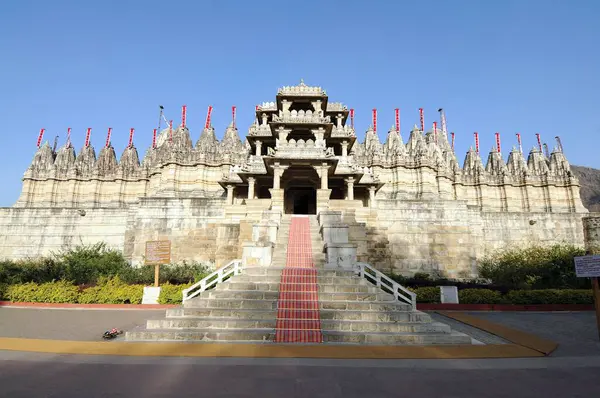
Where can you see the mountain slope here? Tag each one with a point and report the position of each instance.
(590, 186)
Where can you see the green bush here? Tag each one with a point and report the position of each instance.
(427, 294)
(51, 292)
(480, 296)
(175, 274)
(534, 267)
(172, 294)
(112, 291)
(39, 271)
(86, 264)
(3, 287)
(551, 296)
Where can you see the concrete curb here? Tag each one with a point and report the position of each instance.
(10, 304)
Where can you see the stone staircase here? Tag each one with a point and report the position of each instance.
(244, 309)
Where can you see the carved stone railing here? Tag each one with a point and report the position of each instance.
(301, 90)
(336, 107)
(260, 131)
(302, 149)
(341, 132)
(301, 117)
(268, 106)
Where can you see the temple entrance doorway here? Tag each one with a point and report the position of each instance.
(300, 192)
(301, 200)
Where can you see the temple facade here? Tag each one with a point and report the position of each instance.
(406, 204)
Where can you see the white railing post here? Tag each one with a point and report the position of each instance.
(233, 268)
(377, 278)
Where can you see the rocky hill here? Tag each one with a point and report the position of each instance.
(590, 186)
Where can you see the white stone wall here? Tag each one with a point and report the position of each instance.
(35, 232)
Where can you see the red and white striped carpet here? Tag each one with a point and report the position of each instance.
(298, 318)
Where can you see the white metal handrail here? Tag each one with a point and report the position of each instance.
(383, 282)
(234, 267)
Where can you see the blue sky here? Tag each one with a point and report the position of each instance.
(506, 66)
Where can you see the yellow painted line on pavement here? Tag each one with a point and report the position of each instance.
(174, 349)
(519, 337)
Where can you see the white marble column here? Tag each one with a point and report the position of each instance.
(230, 189)
(322, 172)
(372, 196)
(258, 147)
(345, 149)
(251, 182)
(350, 188)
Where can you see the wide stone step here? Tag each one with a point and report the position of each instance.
(233, 313)
(406, 315)
(277, 271)
(384, 327)
(343, 280)
(274, 295)
(249, 304)
(276, 286)
(202, 335)
(396, 338)
(211, 323)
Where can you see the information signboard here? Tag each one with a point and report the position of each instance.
(158, 252)
(587, 266)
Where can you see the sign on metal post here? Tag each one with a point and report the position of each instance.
(158, 252)
(587, 266)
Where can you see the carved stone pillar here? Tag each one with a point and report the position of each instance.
(350, 188)
(264, 119)
(258, 147)
(372, 201)
(285, 105)
(319, 134)
(339, 118)
(277, 173)
(345, 149)
(322, 171)
(251, 182)
(282, 134)
(230, 189)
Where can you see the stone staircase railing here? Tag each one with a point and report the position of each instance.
(233, 268)
(386, 284)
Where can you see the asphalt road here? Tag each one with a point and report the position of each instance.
(36, 375)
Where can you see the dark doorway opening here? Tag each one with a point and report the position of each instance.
(301, 200)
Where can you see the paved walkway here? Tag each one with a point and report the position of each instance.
(70, 324)
(572, 371)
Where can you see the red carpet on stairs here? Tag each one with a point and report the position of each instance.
(298, 307)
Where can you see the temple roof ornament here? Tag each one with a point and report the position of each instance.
(495, 164)
(473, 165)
(536, 162)
(130, 162)
(516, 163)
(65, 159)
(301, 90)
(86, 161)
(107, 161)
(208, 142)
(43, 160)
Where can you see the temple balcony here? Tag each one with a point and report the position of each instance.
(301, 116)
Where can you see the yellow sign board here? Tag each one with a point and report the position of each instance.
(158, 252)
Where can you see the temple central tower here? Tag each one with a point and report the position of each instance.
(299, 155)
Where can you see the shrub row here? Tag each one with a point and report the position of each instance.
(108, 291)
(522, 297)
(116, 291)
(86, 265)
